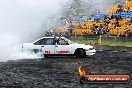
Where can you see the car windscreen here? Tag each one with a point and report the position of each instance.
(40, 42)
(69, 41)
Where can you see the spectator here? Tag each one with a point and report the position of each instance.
(71, 26)
(56, 41)
(99, 35)
(94, 30)
(131, 20)
(117, 23)
(80, 25)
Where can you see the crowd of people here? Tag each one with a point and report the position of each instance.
(109, 25)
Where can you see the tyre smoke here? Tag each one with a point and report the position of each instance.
(23, 21)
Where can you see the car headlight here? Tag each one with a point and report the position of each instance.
(91, 48)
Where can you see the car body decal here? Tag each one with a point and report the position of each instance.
(63, 52)
(46, 52)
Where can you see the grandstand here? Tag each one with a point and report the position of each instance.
(115, 21)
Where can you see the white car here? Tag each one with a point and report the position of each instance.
(59, 46)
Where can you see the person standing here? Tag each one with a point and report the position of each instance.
(99, 36)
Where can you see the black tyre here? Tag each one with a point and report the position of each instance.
(80, 53)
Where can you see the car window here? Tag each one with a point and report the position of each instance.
(40, 42)
(49, 41)
(62, 42)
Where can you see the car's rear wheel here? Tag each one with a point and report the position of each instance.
(80, 53)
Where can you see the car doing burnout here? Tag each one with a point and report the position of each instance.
(59, 46)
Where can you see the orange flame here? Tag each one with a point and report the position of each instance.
(81, 71)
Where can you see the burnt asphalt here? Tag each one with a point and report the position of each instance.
(63, 72)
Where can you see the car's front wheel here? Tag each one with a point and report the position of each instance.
(80, 53)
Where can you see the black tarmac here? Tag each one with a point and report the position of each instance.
(63, 72)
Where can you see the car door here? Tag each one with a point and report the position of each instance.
(38, 45)
(62, 47)
(46, 45)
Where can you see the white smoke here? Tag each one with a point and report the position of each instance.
(24, 20)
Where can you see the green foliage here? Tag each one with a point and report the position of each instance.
(105, 42)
